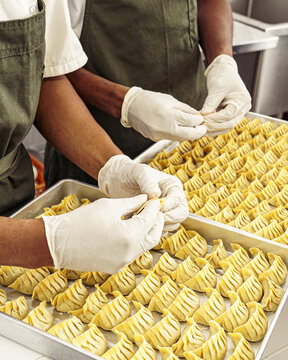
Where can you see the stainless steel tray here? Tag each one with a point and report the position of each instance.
(58, 349)
(153, 150)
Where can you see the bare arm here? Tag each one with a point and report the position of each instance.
(99, 92)
(23, 243)
(66, 123)
(215, 28)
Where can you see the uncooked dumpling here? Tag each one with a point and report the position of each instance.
(239, 258)
(40, 317)
(259, 264)
(273, 295)
(68, 329)
(230, 281)
(8, 274)
(123, 350)
(185, 270)
(112, 313)
(175, 242)
(92, 278)
(143, 262)
(194, 248)
(17, 308)
(137, 324)
(277, 271)
(218, 253)
(49, 287)
(92, 340)
(3, 297)
(165, 266)
(145, 350)
(243, 350)
(206, 277)
(124, 282)
(251, 289)
(164, 296)
(29, 280)
(72, 298)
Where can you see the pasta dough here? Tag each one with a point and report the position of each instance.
(40, 317)
(251, 289)
(145, 350)
(230, 281)
(124, 281)
(17, 308)
(218, 253)
(26, 283)
(165, 266)
(8, 274)
(185, 270)
(206, 277)
(123, 350)
(194, 248)
(71, 299)
(3, 297)
(273, 295)
(68, 329)
(239, 258)
(277, 271)
(164, 296)
(142, 262)
(259, 264)
(49, 287)
(243, 349)
(92, 278)
(92, 340)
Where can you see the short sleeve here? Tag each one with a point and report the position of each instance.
(64, 52)
(77, 12)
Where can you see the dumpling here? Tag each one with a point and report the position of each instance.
(258, 264)
(257, 170)
(68, 329)
(3, 297)
(191, 339)
(241, 183)
(92, 340)
(211, 309)
(249, 203)
(277, 271)
(69, 203)
(255, 186)
(243, 350)
(17, 308)
(194, 183)
(212, 174)
(229, 176)
(279, 214)
(165, 333)
(164, 296)
(112, 313)
(175, 242)
(167, 353)
(273, 295)
(185, 270)
(215, 347)
(230, 281)
(8, 274)
(256, 225)
(222, 193)
(195, 204)
(185, 304)
(145, 290)
(139, 323)
(206, 277)
(92, 278)
(224, 158)
(251, 289)
(256, 326)
(124, 281)
(233, 200)
(271, 231)
(72, 274)
(144, 261)
(26, 283)
(239, 258)
(195, 247)
(165, 266)
(281, 198)
(218, 253)
(72, 298)
(211, 208)
(182, 176)
(269, 175)
(241, 220)
(244, 137)
(225, 216)
(49, 287)
(206, 190)
(92, 306)
(236, 315)
(191, 356)
(40, 317)
(282, 239)
(145, 350)
(261, 209)
(123, 350)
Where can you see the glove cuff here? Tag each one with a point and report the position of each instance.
(128, 98)
(222, 59)
(109, 170)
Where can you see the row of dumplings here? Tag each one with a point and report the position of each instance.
(168, 288)
(236, 178)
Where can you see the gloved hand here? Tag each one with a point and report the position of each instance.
(122, 177)
(160, 116)
(95, 238)
(228, 99)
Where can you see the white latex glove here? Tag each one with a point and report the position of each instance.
(160, 116)
(122, 177)
(228, 99)
(95, 238)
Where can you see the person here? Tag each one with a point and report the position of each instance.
(93, 237)
(145, 69)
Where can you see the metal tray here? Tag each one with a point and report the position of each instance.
(153, 150)
(58, 349)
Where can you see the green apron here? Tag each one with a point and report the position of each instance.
(22, 47)
(148, 43)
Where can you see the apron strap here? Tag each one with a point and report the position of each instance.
(9, 162)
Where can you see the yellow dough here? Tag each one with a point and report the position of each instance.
(175, 242)
(145, 290)
(165, 266)
(243, 349)
(92, 340)
(17, 308)
(167, 354)
(49, 287)
(40, 317)
(277, 271)
(273, 295)
(29, 280)
(206, 277)
(194, 248)
(93, 304)
(251, 289)
(92, 278)
(124, 282)
(256, 326)
(113, 313)
(239, 258)
(8, 274)
(72, 274)
(68, 329)
(164, 296)
(259, 264)
(218, 253)
(3, 297)
(142, 262)
(123, 350)
(72, 298)
(185, 270)
(137, 324)
(145, 350)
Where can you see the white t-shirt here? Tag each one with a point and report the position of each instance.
(64, 52)
(77, 11)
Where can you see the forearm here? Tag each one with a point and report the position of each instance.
(99, 92)
(215, 28)
(23, 243)
(66, 123)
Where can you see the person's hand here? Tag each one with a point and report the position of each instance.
(228, 99)
(160, 116)
(122, 177)
(95, 238)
